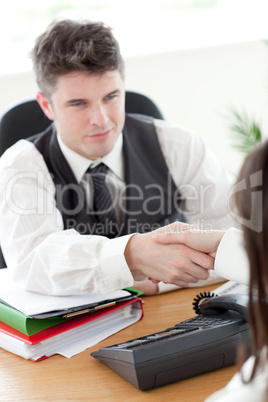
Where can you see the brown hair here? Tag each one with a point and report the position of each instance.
(252, 204)
(68, 46)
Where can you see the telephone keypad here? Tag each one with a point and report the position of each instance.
(190, 325)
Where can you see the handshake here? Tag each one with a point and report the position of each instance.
(178, 254)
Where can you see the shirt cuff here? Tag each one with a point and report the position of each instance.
(231, 260)
(213, 279)
(166, 287)
(113, 264)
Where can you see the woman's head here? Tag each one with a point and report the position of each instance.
(252, 204)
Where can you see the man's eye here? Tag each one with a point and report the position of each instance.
(77, 104)
(110, 97)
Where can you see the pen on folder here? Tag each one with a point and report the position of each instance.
(89, 310)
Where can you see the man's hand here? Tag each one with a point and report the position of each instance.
(161, 257)
(200, 240)
(148, 288)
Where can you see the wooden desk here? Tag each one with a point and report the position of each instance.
(84, 378)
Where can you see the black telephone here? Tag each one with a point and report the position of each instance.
(200, 344)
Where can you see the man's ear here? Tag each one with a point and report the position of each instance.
(45, 105)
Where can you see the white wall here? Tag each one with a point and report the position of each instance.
(194, 88)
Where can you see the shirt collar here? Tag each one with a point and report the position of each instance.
(79, 164)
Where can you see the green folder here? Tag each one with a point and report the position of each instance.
(22, 323)
(29, 325)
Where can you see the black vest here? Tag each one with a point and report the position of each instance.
(152, 198)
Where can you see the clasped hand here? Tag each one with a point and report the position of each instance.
(178, 254)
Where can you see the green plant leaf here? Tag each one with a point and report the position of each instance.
(246, 133)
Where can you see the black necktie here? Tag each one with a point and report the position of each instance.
(103, 205)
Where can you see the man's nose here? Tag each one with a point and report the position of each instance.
(98, 116)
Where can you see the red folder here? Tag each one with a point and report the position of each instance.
(66, 325)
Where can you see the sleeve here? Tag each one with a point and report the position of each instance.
(231, 260)
(203, 183)
(43, 256)
(240, 389)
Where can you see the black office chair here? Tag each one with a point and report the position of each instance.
(27, 118)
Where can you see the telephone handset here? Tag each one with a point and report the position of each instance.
(213, 305)
(200, 344)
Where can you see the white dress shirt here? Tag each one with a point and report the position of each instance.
(48, 259)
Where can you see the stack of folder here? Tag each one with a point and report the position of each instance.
(36, 326)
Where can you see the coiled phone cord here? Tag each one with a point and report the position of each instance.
(199, 297)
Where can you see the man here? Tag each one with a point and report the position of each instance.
(59, 233)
